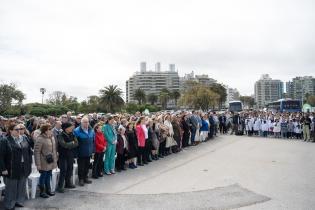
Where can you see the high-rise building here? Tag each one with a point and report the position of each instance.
(205, 80)
(300, 87)
(189, 79)
(232, 94)
(143, 67)
(267, 90)
(158, 67)
(152, 82)
(172, 67)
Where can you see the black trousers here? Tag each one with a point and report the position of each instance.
(83, 167)
(162, 147)
(66, 170)
(98, 164)
(222, 128)
(186, 135)
(147, 149)
(120, 161)
(141, 155)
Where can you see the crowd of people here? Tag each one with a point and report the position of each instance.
(267, 124)
(119, 142)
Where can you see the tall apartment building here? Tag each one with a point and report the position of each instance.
(299, 87)
(152, 81)
(267, 90)
(201, 79)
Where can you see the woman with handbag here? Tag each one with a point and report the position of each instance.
(163, 132)
(170, 137)
(45, 159)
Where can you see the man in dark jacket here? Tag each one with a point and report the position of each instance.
(66, 149)
(212, 125)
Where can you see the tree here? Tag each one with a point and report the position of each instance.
(175, 95)
(200, 97)
(311, 100)
(164, 97)
(221, 91)
(56, 98)
(152, 98)
(111, 98)
(84, 107)
(9, 94)
(247, 101)
(139, 95)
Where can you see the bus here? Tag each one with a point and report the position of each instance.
(235, 106)
(285, 105)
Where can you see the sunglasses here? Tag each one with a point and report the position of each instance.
(19, 129)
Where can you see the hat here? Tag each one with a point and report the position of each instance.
(66, 125)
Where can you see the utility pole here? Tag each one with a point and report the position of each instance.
(42, 90)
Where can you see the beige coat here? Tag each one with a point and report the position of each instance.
(44, 146)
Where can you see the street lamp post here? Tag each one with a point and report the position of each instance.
(42, 90)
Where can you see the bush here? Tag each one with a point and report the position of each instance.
(46, 109)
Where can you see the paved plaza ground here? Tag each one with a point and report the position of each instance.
(230, 172)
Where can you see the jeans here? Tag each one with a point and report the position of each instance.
(193, 134)
(110, 158)
(44, 179)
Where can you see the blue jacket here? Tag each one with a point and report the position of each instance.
(204, 125)
(86, 141)
(109, 133)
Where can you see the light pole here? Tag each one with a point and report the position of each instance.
(42, 90)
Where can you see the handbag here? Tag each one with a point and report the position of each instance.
(50, 158)
(170, 141)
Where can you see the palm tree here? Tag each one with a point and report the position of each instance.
(139, 95)
(111, 98)
(152, 98)
(164, 97)
(175, 95)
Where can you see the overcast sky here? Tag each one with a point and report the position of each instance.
(81, 46)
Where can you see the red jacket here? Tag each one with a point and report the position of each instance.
(100, 142)
(140, 136)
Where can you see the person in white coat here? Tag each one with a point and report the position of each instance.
(265, 128)
(276, 129)
(256, 126)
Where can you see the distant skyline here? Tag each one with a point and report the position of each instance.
(79, 47)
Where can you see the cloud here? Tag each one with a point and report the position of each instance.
(80, 47)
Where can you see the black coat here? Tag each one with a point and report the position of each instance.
(132, 144)
(11, 154)
(67, 144)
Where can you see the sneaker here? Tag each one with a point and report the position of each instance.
(108, 173)
(112, 172)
